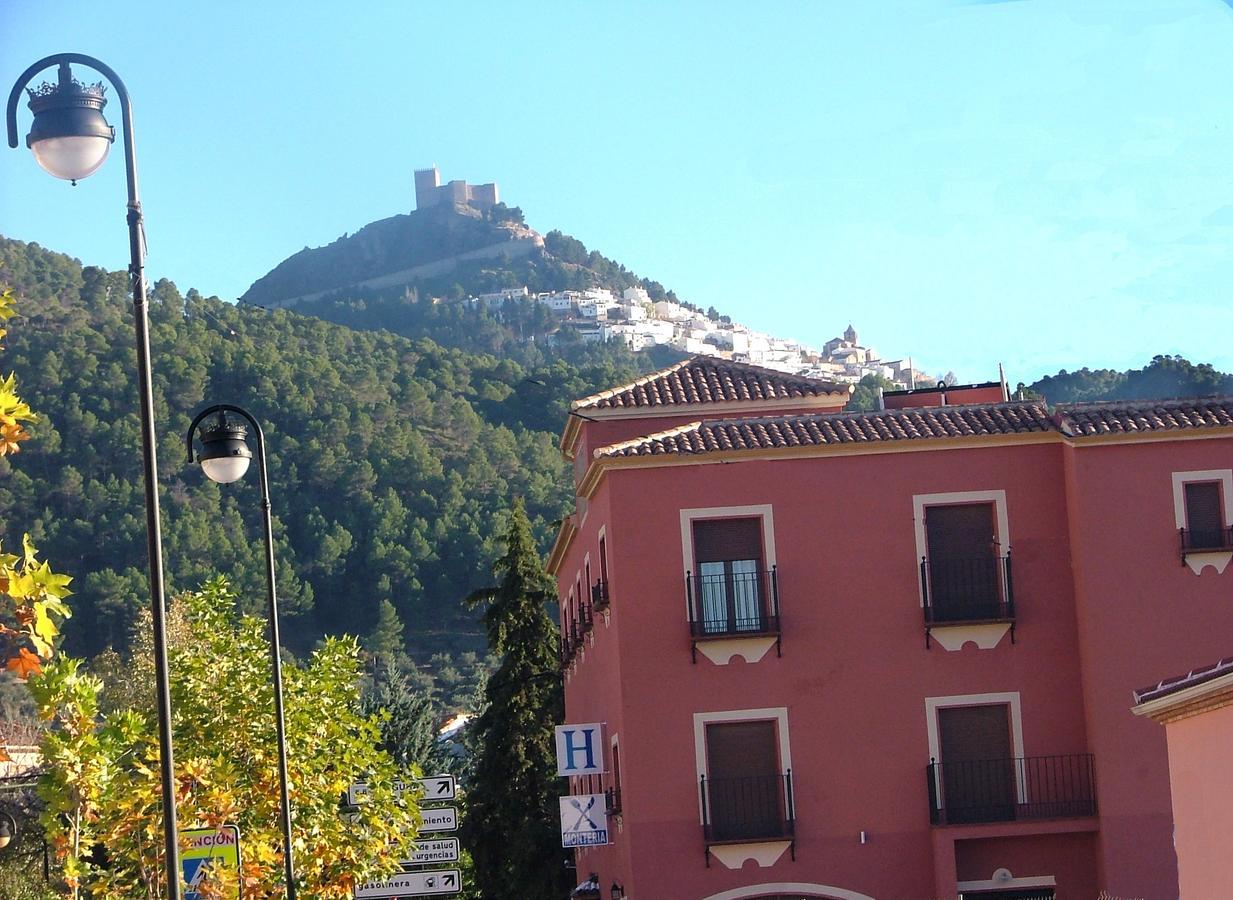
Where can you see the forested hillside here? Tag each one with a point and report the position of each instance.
(393, 462)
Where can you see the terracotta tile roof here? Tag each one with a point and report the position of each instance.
(1181, 682)
(823, 429)
(1127, 417)
(707, 379)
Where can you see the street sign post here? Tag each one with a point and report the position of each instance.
(584, 820)
(208, 850)
(439, 818)
(435, 850)
(412, 884)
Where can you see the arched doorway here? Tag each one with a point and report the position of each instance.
(789, 891)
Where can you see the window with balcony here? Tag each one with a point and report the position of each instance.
(1205, 528)
(978, 773)
(745, 794)
(731, 592)
(964, 576)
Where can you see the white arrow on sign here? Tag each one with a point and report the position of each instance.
(440, 818)
(440, 850)
(439, 787)
(412, 884)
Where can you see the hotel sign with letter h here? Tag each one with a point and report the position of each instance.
(580, 749)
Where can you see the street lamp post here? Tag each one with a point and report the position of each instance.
(70, 139)
(225, 458)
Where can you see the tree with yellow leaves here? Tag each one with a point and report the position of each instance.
(102, 789)
(33, 606)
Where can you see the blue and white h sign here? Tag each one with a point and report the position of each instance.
(580, 749)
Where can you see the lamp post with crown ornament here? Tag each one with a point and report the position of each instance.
(70, 139)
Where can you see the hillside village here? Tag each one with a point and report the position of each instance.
(640, 322)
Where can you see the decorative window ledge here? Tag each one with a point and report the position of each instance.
(764, 853)
(1198, 560)
(956, 636)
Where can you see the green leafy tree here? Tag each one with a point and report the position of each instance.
(511, 827)
(102, 786)
(865, 396)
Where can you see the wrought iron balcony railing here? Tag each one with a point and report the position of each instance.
(1000, 790)
(756, 808)
(967, 590)
(599, 596)
(736, 605)
(1205, 539)
(612, 797)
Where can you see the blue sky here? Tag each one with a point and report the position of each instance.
(1043, 183)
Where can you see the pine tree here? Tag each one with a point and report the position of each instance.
(385, 640)
(511, 823)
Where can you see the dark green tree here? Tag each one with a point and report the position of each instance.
(512, 809)
(865, 397)
(385, 639)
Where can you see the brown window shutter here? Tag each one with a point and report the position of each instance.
(718, 540)
(963, 531)
(1203, 513)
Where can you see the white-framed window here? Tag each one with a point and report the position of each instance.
(744, 765)
(962, 546)
(1202, 512)
(729, 556)
(975, 743)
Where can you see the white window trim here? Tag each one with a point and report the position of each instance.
(776, 714)
(1007, 698)
(1181, 479)
(763, 511)
(956, 498)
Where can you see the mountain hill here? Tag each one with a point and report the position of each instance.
(393, 462)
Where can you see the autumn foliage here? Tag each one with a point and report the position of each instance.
(32, 607)
(103, 786)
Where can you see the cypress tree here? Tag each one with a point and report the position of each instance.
(511, 826)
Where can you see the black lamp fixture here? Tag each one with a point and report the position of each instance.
(70, 139)
(224, 458)
(8, 829)
(618, 891)
(224, 453)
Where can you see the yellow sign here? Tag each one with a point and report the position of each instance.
(209, 849)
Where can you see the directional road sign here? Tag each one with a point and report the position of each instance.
(413, 884)
(209, 849)
(439, 818)
(436, 850)
(434, 787)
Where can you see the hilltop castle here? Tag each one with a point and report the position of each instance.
(429, 191)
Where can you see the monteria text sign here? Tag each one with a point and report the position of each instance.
(438, 850)
(439, 818)
(413, 884)
(580, 749)
(584, 820)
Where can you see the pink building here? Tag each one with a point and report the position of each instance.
(891, 654)
(1196, 710)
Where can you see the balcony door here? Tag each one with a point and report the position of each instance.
(1204, 516)
(978, 767)
(963, 563)
(743, 782)
(729, 558)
